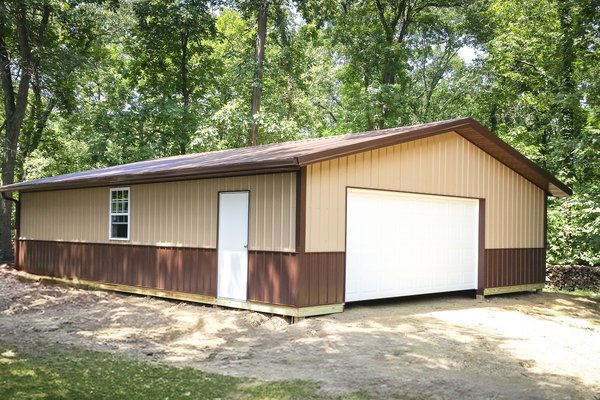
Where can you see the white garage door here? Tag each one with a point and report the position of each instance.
(401, 244)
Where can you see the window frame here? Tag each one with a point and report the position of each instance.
(111, 214)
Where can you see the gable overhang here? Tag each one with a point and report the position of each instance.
(472, 131)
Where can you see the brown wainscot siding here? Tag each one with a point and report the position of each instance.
(322, 279)
(289, 279)
(273, 277)
(296, 279)
(189, 270)
(512, 267)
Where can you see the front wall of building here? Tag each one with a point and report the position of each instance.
(170, 214)
(445, 164)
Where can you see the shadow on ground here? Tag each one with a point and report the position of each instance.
(529, 346)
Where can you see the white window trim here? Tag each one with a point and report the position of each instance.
(110, 213)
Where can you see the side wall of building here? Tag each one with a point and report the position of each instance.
(173, 236)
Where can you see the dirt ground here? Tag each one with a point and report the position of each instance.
(525, 346)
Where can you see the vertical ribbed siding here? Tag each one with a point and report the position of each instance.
(182, 213)
(165, 268)
(512, 267)
(445, 164)
(321, 279)
(273, 277)
(65, 215)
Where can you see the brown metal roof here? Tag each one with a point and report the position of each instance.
(290, 156)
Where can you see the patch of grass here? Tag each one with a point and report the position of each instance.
(583, 293)
(80, 374)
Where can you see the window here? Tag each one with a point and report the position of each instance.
(119, 214)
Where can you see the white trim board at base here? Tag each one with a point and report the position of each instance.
(299, 312)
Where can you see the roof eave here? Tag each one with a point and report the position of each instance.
(559, 190)
(550, 180)
(468, 128)
(163, 176)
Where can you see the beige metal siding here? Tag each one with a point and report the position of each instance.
(180, 213)
(78, 215)
(445, 164)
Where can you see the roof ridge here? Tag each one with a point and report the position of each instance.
(304, 140)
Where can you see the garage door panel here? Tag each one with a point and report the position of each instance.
(402, 244)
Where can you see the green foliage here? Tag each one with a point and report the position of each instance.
(579, 293)
(573, 230)
(172, 69)
(77, 374)
(574, 222)
(541, 57)
(135, 79)
(63, 37)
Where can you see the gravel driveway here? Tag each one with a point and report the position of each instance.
(525, 346)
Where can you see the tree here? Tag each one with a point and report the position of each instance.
(24, 35)
(43, 44)
(171, 68)
(261, 37)
(540, 56)
(376, 41)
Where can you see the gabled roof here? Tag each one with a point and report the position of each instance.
(291, 156)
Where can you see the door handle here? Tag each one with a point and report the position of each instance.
(245, 246)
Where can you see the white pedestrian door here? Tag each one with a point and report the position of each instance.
(233, 245)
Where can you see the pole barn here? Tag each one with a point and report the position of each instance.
(300, 228)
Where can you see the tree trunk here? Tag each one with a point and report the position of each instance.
(568, 126)
(494, 118)
(6, 215)
(261, 36)
(30, 138)
(14, 109)
(544, 148)
(395, 30)
(184, 136)
(366, 84)
(389, 72)
(184, 70)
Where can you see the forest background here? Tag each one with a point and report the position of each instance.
(88, 84)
